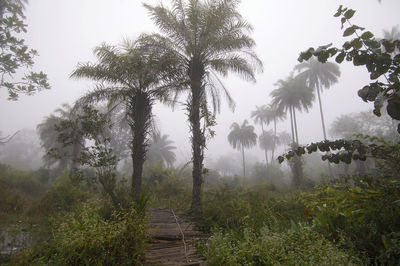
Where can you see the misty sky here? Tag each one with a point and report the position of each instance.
(65, 32)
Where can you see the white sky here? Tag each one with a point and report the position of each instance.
(65, 33)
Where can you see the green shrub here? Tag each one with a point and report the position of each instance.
(62, 196)
(366, 217)
(297, 246)
(83, 237)
(250, 206)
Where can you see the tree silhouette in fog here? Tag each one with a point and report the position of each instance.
(293, 93)
(241, 137)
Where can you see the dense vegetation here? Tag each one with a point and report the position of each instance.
(105, 163)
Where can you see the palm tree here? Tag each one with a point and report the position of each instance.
(208, 37)
(260, 116)
(274, 114)
(242, 137)
(265, 115)
(268, 141)
(160, 149)
(134, 76)
(319, 76)
(293, 93)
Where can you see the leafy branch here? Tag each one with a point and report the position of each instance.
(15, 54)
(379, 56)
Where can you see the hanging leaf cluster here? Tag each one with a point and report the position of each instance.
(381, 58)
(342, 150)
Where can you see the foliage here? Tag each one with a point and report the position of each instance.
(171, 190)
(19, 189)
(364, 217)
(83, 237)
(376, 55)
(346, 151)
(297, 246)
(62, 196)
(272, 173)
(251, 206)
(15, 54)
(349, 125)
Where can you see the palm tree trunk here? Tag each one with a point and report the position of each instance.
(140, 125)
(323, 125)
(196, 73)
(266, 154)
(244, 164)
(291, 122)
(273, 147)
(321, 112)
(295, 125)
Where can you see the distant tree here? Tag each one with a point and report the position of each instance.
(392, 35)
(55, 150)
(319, 76)
(293, 93)
(268, 141)
(348, 126)
(260, 116)
(134, 76)
(242, 137)
(209, 37)
(15, 54)
(161, 149)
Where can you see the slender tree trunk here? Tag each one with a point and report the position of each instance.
(273, 147)
(141, 113)
(291, 123)
(244, 163)
(295, 126)
(323, 125)
(196, 73)
(266, 154)
(321, 112)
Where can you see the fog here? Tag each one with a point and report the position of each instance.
(65, 33)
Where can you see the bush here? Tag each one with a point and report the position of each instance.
(83, 237)
(364, 217)
(297, 246)
(62, 196)
(254, 206)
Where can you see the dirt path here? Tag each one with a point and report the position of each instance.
(172, 236)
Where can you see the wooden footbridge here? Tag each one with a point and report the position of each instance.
(173, 235)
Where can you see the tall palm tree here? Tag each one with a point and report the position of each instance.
(293, 93)
(242, 137)
(319, 76)
(135, 76)
(160, 149)
(209, 37)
